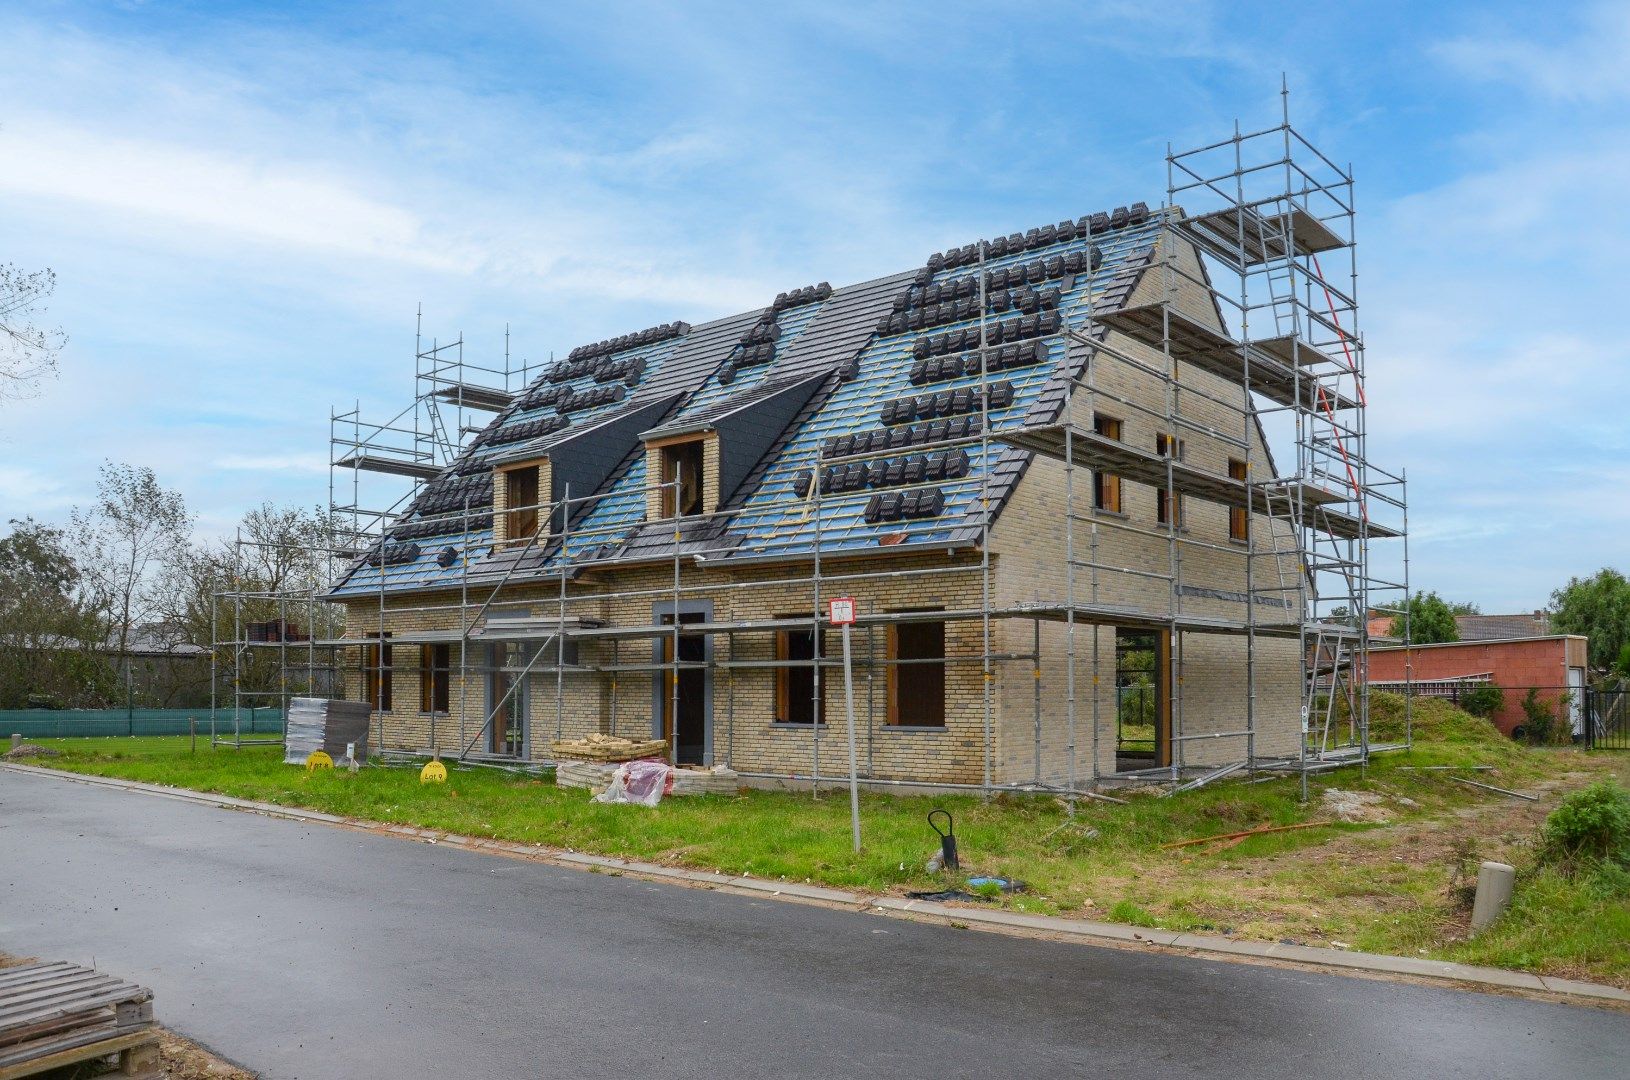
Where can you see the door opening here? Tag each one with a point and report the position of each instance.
(506, 700)
(684, 706)
(1143, 668)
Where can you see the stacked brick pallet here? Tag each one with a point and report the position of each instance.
(687, 779)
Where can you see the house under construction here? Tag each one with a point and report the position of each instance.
(1099, 489)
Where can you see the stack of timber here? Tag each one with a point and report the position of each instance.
(55, 1014)
(597, 747)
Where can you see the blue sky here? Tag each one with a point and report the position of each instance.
(245, 204)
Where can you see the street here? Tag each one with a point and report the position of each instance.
(305, 952)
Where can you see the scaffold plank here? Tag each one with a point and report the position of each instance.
(472, 396)
(1242, 231)
(1348, 527)
(1272, 371)
(1094, 451)
(394, 466)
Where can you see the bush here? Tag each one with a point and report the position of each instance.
(1541, 718)
(1591, 824)
(1483, 700)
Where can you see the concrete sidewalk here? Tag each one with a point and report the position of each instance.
(1214, 946)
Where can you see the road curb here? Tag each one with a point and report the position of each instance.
(1117, 933)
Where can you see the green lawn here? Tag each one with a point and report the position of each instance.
(1385, 887)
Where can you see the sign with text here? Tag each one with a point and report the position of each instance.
(842, 610)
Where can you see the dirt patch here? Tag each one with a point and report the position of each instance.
(30, 750)
(185, 1060)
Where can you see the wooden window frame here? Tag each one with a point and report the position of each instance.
(435, 678)
(783, 675)
(520, 526)
(1239, 517)
(1106, 486)
(377, 658)
(892, 654)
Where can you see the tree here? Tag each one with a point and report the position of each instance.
(278, 565)
(50, 633)
(132, 529)
(28, 351)
(1599, 608)
(1431, 620)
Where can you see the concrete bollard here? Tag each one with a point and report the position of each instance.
(1495, 880)
(16, 740)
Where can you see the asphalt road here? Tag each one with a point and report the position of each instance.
(307, 951)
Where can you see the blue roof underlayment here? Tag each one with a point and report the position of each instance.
(767, 519)
(610, 518)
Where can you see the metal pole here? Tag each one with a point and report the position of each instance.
(849, 708)
(560, 619)
(986, 675)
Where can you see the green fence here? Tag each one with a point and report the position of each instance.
(100, 723)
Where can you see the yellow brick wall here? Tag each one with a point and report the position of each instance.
(1137, 561)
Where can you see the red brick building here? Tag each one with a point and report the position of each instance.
(1555, 664)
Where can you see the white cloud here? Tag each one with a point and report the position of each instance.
(1585, 67)
(25, 491)
(186, 188)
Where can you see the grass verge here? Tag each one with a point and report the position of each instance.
(1395, 883)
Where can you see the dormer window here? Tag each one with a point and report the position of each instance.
(682, 479)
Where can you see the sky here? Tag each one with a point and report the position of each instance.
(246, 206)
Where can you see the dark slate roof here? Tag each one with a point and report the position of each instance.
(754, 397)
(833, 370)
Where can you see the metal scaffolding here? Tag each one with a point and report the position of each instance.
(1266, 211)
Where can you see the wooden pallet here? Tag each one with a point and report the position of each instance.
(54, 1014)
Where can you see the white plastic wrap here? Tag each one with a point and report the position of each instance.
(639, 782)
(323, 724)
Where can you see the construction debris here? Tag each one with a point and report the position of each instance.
(1244, 834)
(1356, 806)
(597, 747)
(28, 750)
(1491, 787)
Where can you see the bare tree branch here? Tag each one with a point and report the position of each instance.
(28, 350)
